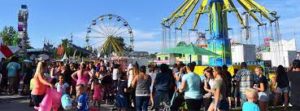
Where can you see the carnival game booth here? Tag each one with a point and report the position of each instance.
(251, 66)
(125, 61)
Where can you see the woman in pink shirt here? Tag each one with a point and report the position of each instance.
(40, 84)
(82, 75)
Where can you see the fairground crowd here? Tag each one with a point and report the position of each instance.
(86, 86)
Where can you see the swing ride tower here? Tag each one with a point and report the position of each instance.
(217, 11)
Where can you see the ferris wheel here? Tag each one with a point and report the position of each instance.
(109, 25)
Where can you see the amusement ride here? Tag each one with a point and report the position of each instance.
(106, 26)
(218, 30)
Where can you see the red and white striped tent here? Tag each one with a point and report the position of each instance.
(7, 51)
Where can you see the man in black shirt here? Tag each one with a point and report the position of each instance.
(294, 77)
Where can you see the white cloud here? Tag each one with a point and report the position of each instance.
(290, 25)
(150, 46)
(144, 40)
(141, 35)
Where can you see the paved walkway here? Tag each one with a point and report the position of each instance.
(14, 103)
(21, 103)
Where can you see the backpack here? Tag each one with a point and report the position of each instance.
(66, 102)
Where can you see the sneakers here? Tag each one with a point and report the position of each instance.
(289, 105)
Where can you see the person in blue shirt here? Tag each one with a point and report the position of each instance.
(250, 105)
(13, 69)
(82, 100)
(191, 86)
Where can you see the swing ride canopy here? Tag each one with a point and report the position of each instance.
(190, 49)
(217, 10)
(189, 6)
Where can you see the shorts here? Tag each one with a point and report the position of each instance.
(223, 105)
(37, 99)
(263, 97)
(282, 90)
(193, 104)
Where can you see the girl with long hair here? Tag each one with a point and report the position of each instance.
(40, 85)
(82, 75)
(142, 82)
(208, 84)
(282, 85)
(262, 88)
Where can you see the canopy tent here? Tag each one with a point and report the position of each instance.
(65, 57)
(7, 51)
(190, 49)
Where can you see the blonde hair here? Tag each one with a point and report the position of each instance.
(251, 93)
(39, 69)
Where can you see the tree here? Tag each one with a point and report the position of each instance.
(10, 36)
(66, 45)
(27, 42)
(114, 44)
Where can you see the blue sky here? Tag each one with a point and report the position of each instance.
(57, 19)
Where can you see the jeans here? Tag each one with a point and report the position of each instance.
(142, 103)
(161, 96)
(12, 84)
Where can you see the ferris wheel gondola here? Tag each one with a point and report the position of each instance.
(109, 25)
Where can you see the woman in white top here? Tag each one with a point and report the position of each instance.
(129, 74)
(208, 84)
(152, 74)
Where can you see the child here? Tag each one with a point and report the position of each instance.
(61, 85)
(250, 105)
(30, 88)
(97, 92)
(82, 98)
(121, 99)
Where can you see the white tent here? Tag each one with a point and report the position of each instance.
(65, 57)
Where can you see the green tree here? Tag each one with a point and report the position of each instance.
(66, 45)
(10, 36)
(70, 50)
(114, 44)
(27, 42)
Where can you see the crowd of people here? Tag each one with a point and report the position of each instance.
(86, 85)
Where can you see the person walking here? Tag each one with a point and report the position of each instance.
(220, 102)
(142, 82)
(40, 85)
(282, 85)
(262, 88)
(152, 74)
(13, 70)
(82, 75)
(245, 79)
(191, 86)
(178, 98)
(294, 77)
(228, 79)
(162, 84)
(208, 85)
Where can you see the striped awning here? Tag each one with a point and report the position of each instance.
(8, 51)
